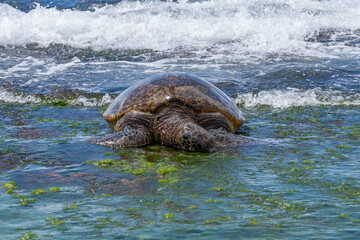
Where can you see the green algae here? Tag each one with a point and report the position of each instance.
(352, 131)
(333, 153)
(106, 195)
(163, 169)
(219, 177)
(24, 198)
(301, 173)
(10, 186)
(27, 201)
(169, 216)
(107, 163)
(39, 120)
(209, 200)
(168, 181)
(27, 236)
(107, 222)
(71, 206)
(38, 191)
(54, 189)
(134, 213)
(253, 221)
(142, 167)
(217, 220)
(342, 190)
(210, 221)
(342, 146)
(54, 222)
(57, 102)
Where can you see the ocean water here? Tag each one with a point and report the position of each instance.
(292, 67)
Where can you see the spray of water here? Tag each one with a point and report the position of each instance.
(232, 29)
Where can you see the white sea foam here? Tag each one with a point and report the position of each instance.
(53, 68)
(10, 97)
(234, 29)
(93, 102)
(23, 66)
(291, 97)
(282, 99)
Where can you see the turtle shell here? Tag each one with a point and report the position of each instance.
(156, 92)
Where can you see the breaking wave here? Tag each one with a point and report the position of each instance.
(290, 97)
(63, 97)
(293, 97)
(211, 29)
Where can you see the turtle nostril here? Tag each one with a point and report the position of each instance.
(186, 136)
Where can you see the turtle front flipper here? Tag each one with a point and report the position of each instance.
(224, 138)
(128, 137)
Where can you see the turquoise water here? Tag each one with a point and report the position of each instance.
(292, 68)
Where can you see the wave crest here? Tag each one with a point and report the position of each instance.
(62, 98)
(285, 98)
(207, 28)
(293, 97)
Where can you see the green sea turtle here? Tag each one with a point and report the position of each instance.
(178, 110)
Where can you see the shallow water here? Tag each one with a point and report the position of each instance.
(292, 68)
